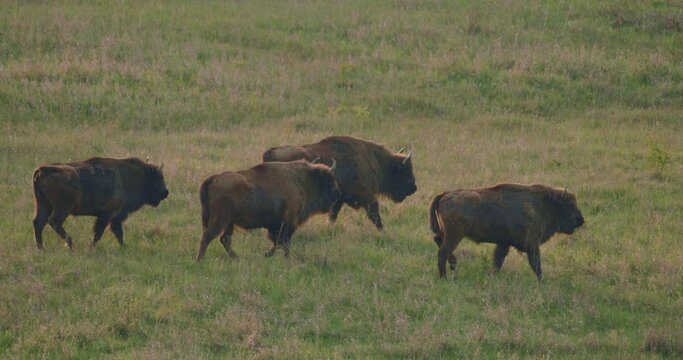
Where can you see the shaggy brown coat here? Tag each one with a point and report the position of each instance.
(365, 171)
(278, 196)
(509, 215)
(109, 189)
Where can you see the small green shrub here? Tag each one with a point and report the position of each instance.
(658, 159)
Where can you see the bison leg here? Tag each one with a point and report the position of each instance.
(286, 237)
(272, 235)
(280, 236)
(57, 220)
(499, 255)
(274, 238)
(226, 240)
(43, 211)
(451, 259)
(212, 230)
(285, 240)
(98, 229)
(446, 253)
(534, 257)
(335, 209)
(373, 214)
(116, 227)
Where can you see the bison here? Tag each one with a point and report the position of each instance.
(521, 216)
(365, 170)
(278, 196)
(109, 189)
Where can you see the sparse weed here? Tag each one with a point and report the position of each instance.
(664, 343)
(658, 159)
(346, 71)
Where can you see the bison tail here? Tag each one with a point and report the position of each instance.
(37, 192)
(204, 199)
(433, 214)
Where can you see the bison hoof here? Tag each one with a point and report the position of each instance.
(451, 266)
(270, 253)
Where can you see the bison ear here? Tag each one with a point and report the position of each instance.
(407, 158)
(401, 160)
(150, 170)
(321, 173)
(559, 196)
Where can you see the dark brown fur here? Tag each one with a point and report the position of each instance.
(278, 196)
(509, 215)
(365, 171)
(109, 189)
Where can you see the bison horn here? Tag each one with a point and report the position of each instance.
(161, 166)
(147, 159)
(402, 150)
(334, 164)
(315, 161)
(564, 192)
(406, 159)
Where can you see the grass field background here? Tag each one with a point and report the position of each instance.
(578, 94)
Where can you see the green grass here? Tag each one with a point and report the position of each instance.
(576, 94)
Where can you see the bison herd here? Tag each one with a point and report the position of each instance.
(296, 182)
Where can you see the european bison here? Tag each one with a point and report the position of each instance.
(278, 196)
(365, 170)
(521, 216)
(109, 189)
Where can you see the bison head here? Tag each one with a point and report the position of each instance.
(155, 187)
(328, 190)
(401, 181)
(568, 215)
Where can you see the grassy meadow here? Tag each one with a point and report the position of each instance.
(581, 94)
